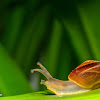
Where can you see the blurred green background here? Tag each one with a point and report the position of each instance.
(59, 34)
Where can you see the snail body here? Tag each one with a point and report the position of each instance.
(83, 78)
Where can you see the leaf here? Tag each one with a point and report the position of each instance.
(44, 95)
(53, 47)
(32, 38)
(14, 23)
(12, 79)
(65, 64)
(90, 17)
(39, 30)
(77, 37)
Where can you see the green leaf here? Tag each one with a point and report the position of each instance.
(12, 79)
(44, 95)
(65, 65)
(39, 30)
(53, 47)
(14, 23)
(77, 37)
(33, 35)
(90, 17)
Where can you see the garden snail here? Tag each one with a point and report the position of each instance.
(83, 78)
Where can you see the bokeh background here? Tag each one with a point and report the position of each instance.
(61, 34)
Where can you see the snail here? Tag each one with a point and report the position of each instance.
(83, 78)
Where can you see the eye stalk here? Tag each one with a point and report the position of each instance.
(83, 78)
(42, 70)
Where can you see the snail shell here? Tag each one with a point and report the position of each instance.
(86, 75)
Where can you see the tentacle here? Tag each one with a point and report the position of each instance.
(43, 71)
(43, 82)
(41, 66)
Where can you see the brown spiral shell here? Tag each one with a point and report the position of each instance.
(86, 75)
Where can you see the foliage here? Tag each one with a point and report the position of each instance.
(44, 95)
